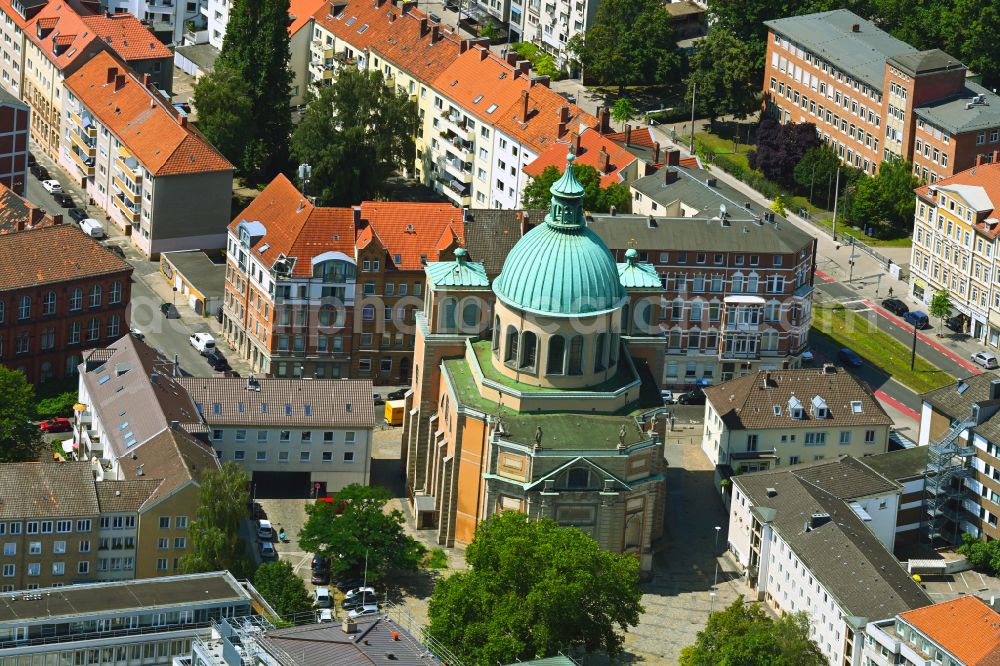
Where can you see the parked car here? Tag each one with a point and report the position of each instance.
(895, 306)
(986, 359)
(322, 598)
(92, 228)
(368, 609)
(40, 172)
(267, 551)
(65, 200)
(349, 584)
(667, 396)
(203, 342)
(358, 601)
(350, 594)
(77, 214)
(230, 373)
(377, 397)
(807, 357)
(917, 319)
(956, 323)
(398, 395)
(169, 311)
(320, 563)
(264, 530)
(324, 615)
(434, 17)
(218, 362)
(58, 424)
(320, 578)
(849, 357)
(31, 160)
(51, 186)
(695, 397)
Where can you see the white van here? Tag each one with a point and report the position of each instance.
(264, 530)
(92, 227)
(322, 597)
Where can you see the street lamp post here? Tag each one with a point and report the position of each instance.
(836, 195)
(715, 554)
(712, 595)
(913, 349)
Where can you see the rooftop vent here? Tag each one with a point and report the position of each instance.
(818, 519)
(995, 389)
(828, 369)
(349, 626)
(772, 492)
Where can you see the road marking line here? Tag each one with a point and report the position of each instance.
(823, 276)
(895, 404)
(975, 369)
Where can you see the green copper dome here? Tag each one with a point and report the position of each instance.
(561, 267)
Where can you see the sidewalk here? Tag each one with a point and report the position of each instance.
(869, 279)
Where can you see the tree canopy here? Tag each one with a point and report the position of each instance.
(356, 523)
(215, 531)
(744, 635)
(355, 134)
(815, 169)
(622, 111)
(631, 42)
(780, 146)
(886, 201)
(596, 199)
(20, 439)
(283, 589)
(255, 52)
(982, 555)
(533, 589)
(723, 76)
(940, 306)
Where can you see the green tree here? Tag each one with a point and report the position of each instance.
(622, 111)
(256, 50)
(970, 29)
(886, 201)
(596, 199)
(215, 532)
(631, 42)
(815, 168)
(224, 112)
(778, 206)
(723, 77)
(534, 589)
(940, 307)
(20, 439)
(983, 555)
(355, 134)
(355, 524)
(744, 635)
(282, 588)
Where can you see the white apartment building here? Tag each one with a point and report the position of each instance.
(813, 538)
(168, 19)
(551, 23)
(216, 13)
(314, 431)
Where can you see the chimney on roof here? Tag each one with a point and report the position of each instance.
(669, 175)
(392, 17)
(979, 159)
(656, 152)
(146, 78)
(112, 74)
(603, 161)
(463, 45)
(511, 58)
(613, 209)
(673, 158)
(856, 27)
(175, 425)
(182, 121)
(524, 219)
(435, 34)
(995, 389)
(576, 143)
(996, 156)
(484, 53)
(407, 6)
(524, 66)
(524, 106)
(119, 82)
(628, 135)
(564, 113)
(423, 26)
(651, 222)
(379, 3)
(540, 81)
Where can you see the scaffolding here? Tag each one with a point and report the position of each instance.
(947, 467)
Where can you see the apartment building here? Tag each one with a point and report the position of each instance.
(908, 468)
(872, 96)
(132, 425)
(789, 417)
(963, 631)
(167, 19)
(158, 179)
(330, 292)
(549, 24)
(129, 39)
(814, 538)
(69, 294)
(14, 130)
(738, 280)
(955, 248)
(960, 427)
(317, 434)
(129, 622)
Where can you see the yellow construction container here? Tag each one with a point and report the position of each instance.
(394, 412)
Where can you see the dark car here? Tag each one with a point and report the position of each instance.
(217, 361)
(64, 200)
(41, 173)
(398, 395)
(218, 314)
(320, 563)
(849, 357)
(956, 323)
(320, 577)
(116, 250)
(895, 306)
(169, 311)
(349, 584)
(31, 160)
(77, 214)
(359, 600)
(695, 397)
(917, 319)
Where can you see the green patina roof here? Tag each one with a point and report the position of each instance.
(634, 275)
(561, 267)
(458, 273)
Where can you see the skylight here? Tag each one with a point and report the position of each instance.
(856, 406)
(777, 410)
(263, 408)
(308, 409)
(362, 28)
(239, 407)
(123, 426)
(493, 107)
(216, 408)
(288, 409)
(478, 99)
(104, 379)
(352, 20)
(263, 248)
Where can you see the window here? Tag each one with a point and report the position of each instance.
(869, 436)
(180, 543)
(304, 456)
(115, 295)
(95, 296)
(845, 437)
(262, 456)
(34, 548)
(10, 549)
(181, 522)
(348, 456)
(24, 307)
(161, 564)
(9, 570)
(578, 477)
(164, 522)
(34, 569)
(49, 303)
(83, 567)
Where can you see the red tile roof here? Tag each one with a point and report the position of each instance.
(349, 23)
(54, 254)
(482, 84)
(300, 12)
(143, 121)
(411, 230)
(986, 176)
(129, 38)
(966, 627)
(18, 214)
(65, 28)
(415, 51)
(541, 129)
(591, 143)
(295, 227)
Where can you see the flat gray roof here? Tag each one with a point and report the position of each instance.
(203, 55)
(830, 35)
(119, 597)
(326, 644)
(204, 274)
(956, 115)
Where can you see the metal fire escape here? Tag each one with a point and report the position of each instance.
(947, 467)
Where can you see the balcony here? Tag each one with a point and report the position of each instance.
(129, 166)
(344, 59)
(84, 162)
(125, 189)
(130, 212)
(461, 171)
(458, 147)
(741, 326)
(458, 193)
(85, 143)
(458, 127)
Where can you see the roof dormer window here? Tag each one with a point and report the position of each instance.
(819, 408)
(795, 408)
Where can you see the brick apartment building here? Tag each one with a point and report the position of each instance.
(14, 126)
(872, 96)
(69, 294)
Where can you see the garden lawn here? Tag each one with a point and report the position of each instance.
(877, 348)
